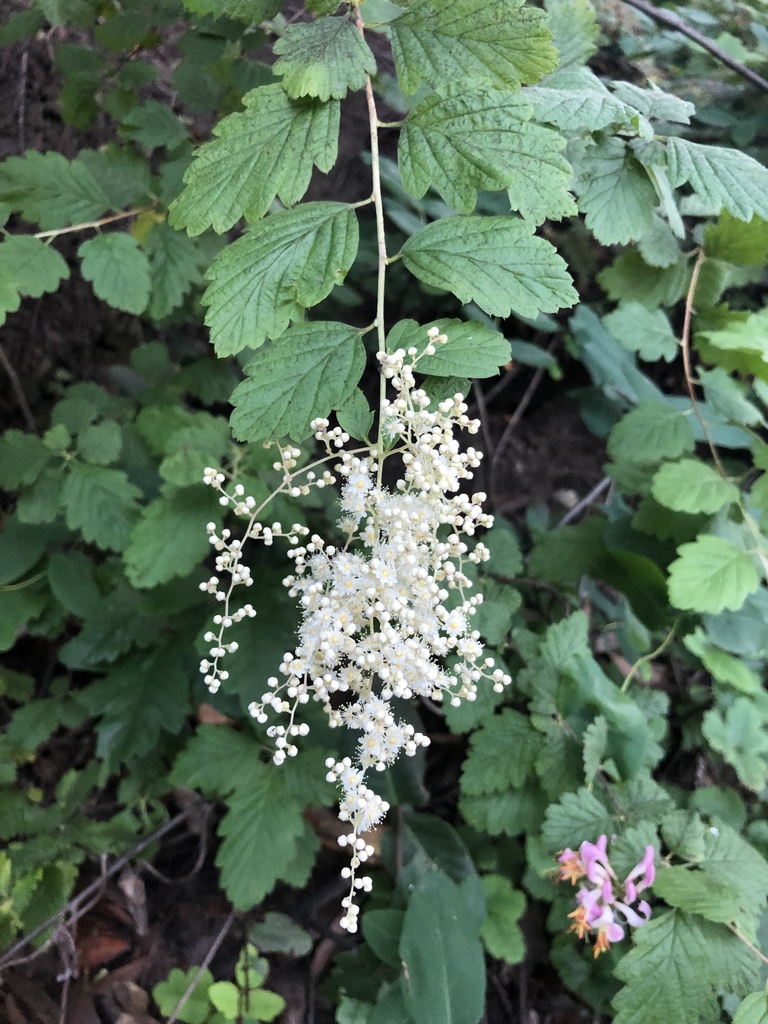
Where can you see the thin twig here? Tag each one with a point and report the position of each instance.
(645, 658)
(678, 25)
(483, 413)
(21, 398)
(586, 501)
(93, 223)
(747, 943)
(22, 94)
(514, 419)
(203, 967)
(685, 343)
(73, 906)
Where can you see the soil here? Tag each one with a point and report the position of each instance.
(170, 912)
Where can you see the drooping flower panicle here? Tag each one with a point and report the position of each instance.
(604, 903)
(381, 611)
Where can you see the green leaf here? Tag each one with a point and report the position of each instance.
(251, 11)
(23, 457)
(731, 859)
(285, 264)
(323, 58)
(278, 933)
(615, 193)
(268, 150)
(659, 246)
(117, 269)
(101, 503)
(753, 1010)
(654, 102)
(678, 963)
(464, 141)
(574, 818)
(650, 432)
(630, 278)
(725, 668)
(574, 25)
(647, 332)
(472, 350)
(721, 178)
(447, 41)
(20, 549)
(100, 443)
(740, 737)
(711, 574)
(70, 575)
(493, 261)
(138, 700)
(501, 934)
(263, 819)
(169, 540)
(153, 124)
(443, 958)
(690, 485)
(174, 267)
(355, 416)
(696, 893)
(732, 240)
(27, 267)
(168, 994)
(728, 397)
(574, 102)
(17, 608)
(501, 756)
(48, 189)
(382, 930)
(311, 369)
(684, 833)
(595, 741)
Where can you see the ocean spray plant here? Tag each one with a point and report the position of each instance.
(381, 611)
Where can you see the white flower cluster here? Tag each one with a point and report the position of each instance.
(386, 616)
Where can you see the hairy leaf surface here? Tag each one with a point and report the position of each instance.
(323, 58)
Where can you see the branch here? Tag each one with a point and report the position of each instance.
(678, 25)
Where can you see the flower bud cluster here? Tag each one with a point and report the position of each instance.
(382, 612)
(602, 901)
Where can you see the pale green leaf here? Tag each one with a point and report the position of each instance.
(446, 41)
(753, 1010)
(595, 740)
(659, 246)
(721, 178)
(493, 261)
(574, 25)
(615, 193)
(464, 141)
(678, 964)
(50, 190)
(684, 833)
(696, 893)
(749, 335)
(196, 1008)
(724, 667)
(647, 332)
(711, 574)
(472, 350)
(101, 503)
(311, 369)
(630, 277)
(740, 737)
(266, 151)
(734, 861)
(690, 485)
(285, 264)
(501, 933)
(650, 432)
(575, 102)
(728, 397)
(323, 58)
(117, 269)
(170, 539)
(654, 102)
